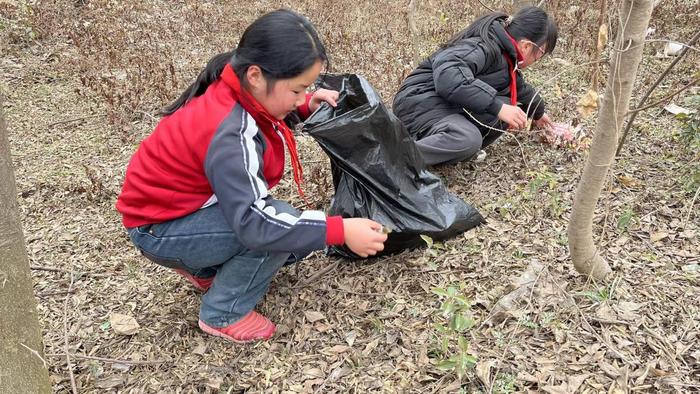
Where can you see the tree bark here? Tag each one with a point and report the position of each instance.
(627, 55)
(599, 43)
(22, 366)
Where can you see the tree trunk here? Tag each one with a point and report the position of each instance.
(623, 71)
(22, 367)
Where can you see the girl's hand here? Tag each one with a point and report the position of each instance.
(321, 95)
(513, 116)
(364, 236)
(544, 123)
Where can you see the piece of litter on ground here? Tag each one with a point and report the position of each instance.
(673, 48)
(675, 109)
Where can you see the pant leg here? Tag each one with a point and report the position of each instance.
(239, 285)
(451, 139)
(490, 136)
(204, 244)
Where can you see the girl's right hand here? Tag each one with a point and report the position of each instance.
(513, 116)
(363, 236)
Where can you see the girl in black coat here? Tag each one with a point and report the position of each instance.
(455, 102)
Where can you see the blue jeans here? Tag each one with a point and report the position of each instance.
(203, 244)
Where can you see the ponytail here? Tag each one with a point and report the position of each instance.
(205, 78)
(530, 23)
(282, 43)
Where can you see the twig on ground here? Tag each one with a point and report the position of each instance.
(485, 6)
(690, 208)
(317, 275)
(350, 292)
(50, 269)
(532, 286)
(69, 365)
(589, 326)
(74, 120)
(111, 360)
(153, 118)
(81, 273)
(437, 384)
(34, 352)
(606, 321)
(55, 293)
(506, 132)
(667, 348)
(415, 37)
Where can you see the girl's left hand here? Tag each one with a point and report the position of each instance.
(321, 95)
(544, 123)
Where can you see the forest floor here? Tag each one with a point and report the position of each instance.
(353, 326)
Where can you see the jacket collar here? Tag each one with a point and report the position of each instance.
(508, 43)
(249, 103)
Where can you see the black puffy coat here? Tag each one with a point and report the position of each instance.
(467, 75)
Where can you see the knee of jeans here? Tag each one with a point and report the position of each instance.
(469, 147)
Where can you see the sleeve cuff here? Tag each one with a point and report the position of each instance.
(495, 107)
(335, 234)
(304, 111)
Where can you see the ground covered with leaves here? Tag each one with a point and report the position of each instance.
(499, 309)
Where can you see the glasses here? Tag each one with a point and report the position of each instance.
(539, 49)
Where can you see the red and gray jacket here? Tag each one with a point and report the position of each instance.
(224, 147)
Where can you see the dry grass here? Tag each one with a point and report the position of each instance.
(83, 80)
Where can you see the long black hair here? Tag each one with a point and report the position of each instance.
(529, 23)
(282, 43)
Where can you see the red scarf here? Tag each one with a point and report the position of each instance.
(511, 70)
(263, 119)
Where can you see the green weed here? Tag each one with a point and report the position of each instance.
(626, 219)
(455, 309)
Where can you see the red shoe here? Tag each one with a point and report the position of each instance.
(250, 328)
(201, 284)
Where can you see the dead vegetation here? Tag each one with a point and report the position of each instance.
(83, 82)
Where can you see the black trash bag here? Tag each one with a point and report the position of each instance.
(379, 174)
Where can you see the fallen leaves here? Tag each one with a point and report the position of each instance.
(629, 182)
(313, 316)
(658, 236)
(123, 324)
(588, 103)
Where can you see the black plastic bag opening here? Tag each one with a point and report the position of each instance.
(379, 174)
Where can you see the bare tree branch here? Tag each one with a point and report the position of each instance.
(485, 6)
(668, 97)
(412, 6)
(651, 89)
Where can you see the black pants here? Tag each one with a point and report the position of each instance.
(454, 138)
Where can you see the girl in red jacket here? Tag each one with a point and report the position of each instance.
(196, 197)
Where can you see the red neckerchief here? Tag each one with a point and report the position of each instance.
(512, 68)
(262, 117)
